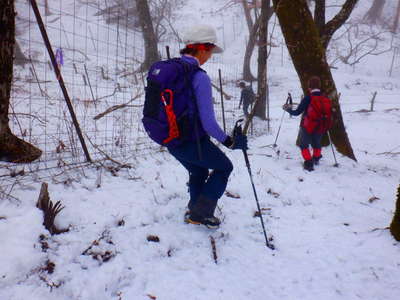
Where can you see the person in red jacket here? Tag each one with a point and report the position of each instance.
(315, 122)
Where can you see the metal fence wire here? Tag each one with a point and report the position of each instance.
(98, 51)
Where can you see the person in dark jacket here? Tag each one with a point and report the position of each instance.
(205, 187)
(246, 97)
(307, 139)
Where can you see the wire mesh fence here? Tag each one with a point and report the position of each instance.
(99, 51)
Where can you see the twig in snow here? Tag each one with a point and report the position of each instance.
(153, 238)
(214, 249)
(376, 229)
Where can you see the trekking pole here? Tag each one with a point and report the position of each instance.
(251, 122)
(333, 152)
(222, 99)
(238, 131)
(288, 101)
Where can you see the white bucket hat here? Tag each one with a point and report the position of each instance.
(201, 34)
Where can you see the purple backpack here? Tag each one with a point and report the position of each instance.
(170, 115)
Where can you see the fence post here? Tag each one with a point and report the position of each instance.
(222, 99)
(395, 49)
(59, 77)
(251, 123)
(373, 101)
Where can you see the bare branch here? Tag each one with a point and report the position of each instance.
(121, 165)
(357, 49)
(227, 96)
(118, 106)
(331, 27)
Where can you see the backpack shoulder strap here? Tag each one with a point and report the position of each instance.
(313, 104)
(189, 71)
(187, 67)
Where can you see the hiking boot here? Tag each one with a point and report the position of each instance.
(186, 216)
(209, 222)
(309, 165)
(316, 159)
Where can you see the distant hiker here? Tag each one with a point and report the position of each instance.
(246, 97)
(315, 122)
(179, 114)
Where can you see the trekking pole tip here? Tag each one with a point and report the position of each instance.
(271, 246)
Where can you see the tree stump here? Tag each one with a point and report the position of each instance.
(49, 209)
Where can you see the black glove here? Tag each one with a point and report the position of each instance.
(239, 142)
(236, 142)
(286, 107)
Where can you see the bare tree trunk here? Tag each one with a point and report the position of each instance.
(319, 15)
(375, 12)
(149, 36)
(330, 28)
(262, 61)
(308, 55)
(247, 75)
(12, 148)
(396, 18)
(395, 225)
(253, 34)
(251, 43)
(326, 30)
(247, 14)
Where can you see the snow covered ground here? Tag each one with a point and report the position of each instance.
(329, 227)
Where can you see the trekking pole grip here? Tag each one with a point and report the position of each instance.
(237, 130)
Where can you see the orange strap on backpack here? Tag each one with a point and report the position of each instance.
(173, 131)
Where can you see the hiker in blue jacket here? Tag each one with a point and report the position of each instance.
(246, 97)
(205, 187)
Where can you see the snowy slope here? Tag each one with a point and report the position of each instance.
(328, 226)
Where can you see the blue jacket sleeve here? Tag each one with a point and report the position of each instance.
(301, 108)
(203, 93)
